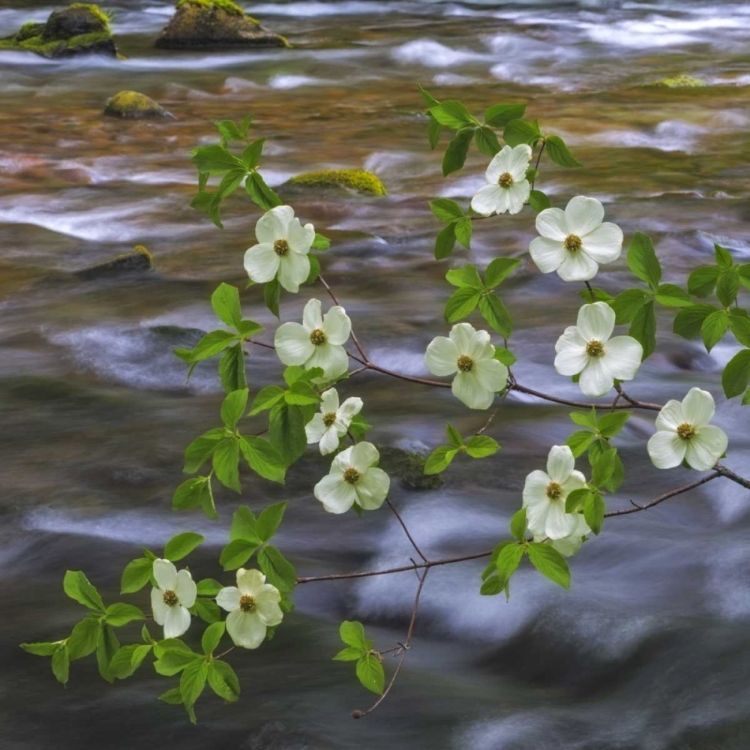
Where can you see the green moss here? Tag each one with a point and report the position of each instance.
(29, 30)
(134, 105)
(55, 48)
(141, 250)
(226, 5)
(680, 82)
(95, 10)
(354, 179)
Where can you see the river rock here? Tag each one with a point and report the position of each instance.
(79, 29)
(339, 180)
(137, 261)
(215, 24)
(130, 105)
(681, 81)
(408, 466)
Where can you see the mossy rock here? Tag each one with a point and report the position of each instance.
(79, 29)
(214, 24)
(356, 180)
(130, 105)
(137, 261)
(408, 466)
(680, 82)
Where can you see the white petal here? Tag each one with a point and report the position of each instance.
(165, 574)
(466, 388)
(337, 326)
(273, 224)
(312, 315)
(229, 598)
(336, 495)
(535, 501)
(560, 463)
(350, 408)
(577, 267)
(441, 356)
(332, 359)
(518, 161)
(176, 621)
(596, 379)
(467, 339)
(362, 456)
(571, 352)
(261, 263)
(551, 223)
(491, 374)
(623, 355)
(293, 271)
(329, 441)
(246, 629)
(666, 449)
(342, 462)
(596, 321)
(158, 608)
(706, 448)
(547, 254)
(186, 589)
(498, 165)
(489, 200)
(329, 401)
(559, 523)
(604, 244)
(575, 481)
(583, 215)
(698, 407)
(267, 606)
(315, 429)
(293, 345)
(518, 194)
(671, 416)
(250, 581)
(300, 238)
(372, 488)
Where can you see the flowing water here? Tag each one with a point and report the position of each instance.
(649, 650)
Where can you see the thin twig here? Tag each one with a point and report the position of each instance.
(585, 405)
(729, 474)
(336, 302)
(406, 530)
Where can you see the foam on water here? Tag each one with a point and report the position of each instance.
(432, 54)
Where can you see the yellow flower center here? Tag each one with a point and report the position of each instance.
(573, 243)
(329, 419)
(554, 491)
(464, 363)
(351, 476)
(281, 247)
(247, 603)
(317, 337)
(595, 349)
(686, 431)
(505, 180)
(170, 598)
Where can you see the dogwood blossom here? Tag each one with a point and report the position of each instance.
(174, 594)
(318, 342)
(508, 187)
(569, 545)
(587, 350)
(469, 354)
(332, 421)
(684, 433)
(354, 478)
(544, 495)
(282, 249)
(253, 607)
(575, 241)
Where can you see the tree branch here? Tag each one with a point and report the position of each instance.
(406, 530)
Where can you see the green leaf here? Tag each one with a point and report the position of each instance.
(452, 114)
(461, 303)
(61, 664)
(190, 494)
(192, 683)
(507, 561)
(429, 99)
(198, 452)
(252, 153)
(642, 260)
(496, 314)
(236, 554)
(736, 376)
(277, 569)
(465, 276)
(481, 446)
(627, 304)
(171, 663)
(491, 586)
(79, 588)
(40, 649)
(434, 130)
(579, 442)
(714, 327)
(106, 648)
(353, 634)
(603, 467)
(593, 511)
(370, 673)
(505, 356)
(585, 419)
(215, 160)
(643, 328)
(225, 302)
(559, 153)
(263, 458)
(212, 636)
(321, 242)
(121, 614)
(440, 459)
(244, 525)
(266, 398)
(210, 345)
(702, 281)
(486, 141)
(501, 114)
(269, 520)
(723, 257)
(233, 407)
(518, 524)
(209, 587)
(312, 277)
(538, 200)
(302, 393)
(223, 680)
(125, 662)
(287, 431)
(182, 545)
(84, 637)
(610, 424)
(576, 499)
(260, 193)
(446, 210)
(499, 270)
(229, 131)
(272, 296)
(463, 232)
(744, 271)
(454, 436)
(550, 563)
(455, 154)
(226, 458)
(207, 610)
(173, 697)
(728, 286)
(670, 295)
(521, 131)
(445, 241)
(136, 575)
(350, 653)
(740, 326)
(689, 320)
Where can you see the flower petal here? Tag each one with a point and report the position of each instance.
(300, 238)
(577, 267)
(604, 244)
(560, 463)
(293, 271)
(246, 629)
(363, 456)
(499, 164)
(273, 224)
(337, 326)
(698, 407)
(491, 374)
(261, 263)
(583, 215)
(229, 598)
(517, 161)
(333, 360)
(350, 408)
(666, 449)
(176, 621)
(329, 441)
(268, 609)
(441, 356)
(372, 488)
(466, 388)
(165, 574)
(329, 401)
(547, 254)
(464, 336)
(571, 352)
(158, 608)
(293, 345)
(312, 315)
(185, 588)
(623, 355)
(559, 523)
(336, 495)
(551, 224)
(518, 194)
(315, 429)
(489, 200)
(250, 581)
(706, 448)
(671, 416)
(596, 322)
(596, 379)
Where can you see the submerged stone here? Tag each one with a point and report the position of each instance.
(130, 105)
(364, 183)
(137, 261)
(680, 82)
(215, 24)
(79, 29)
(408, 466)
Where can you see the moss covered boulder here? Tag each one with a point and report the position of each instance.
(214, 24)
(130, 105)
(137, 261)
(408, 466)
(680, 82)
(346, 180)
(79, 29)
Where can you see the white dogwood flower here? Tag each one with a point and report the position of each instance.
(332, 421)
(318, 342)
(508, 187)
(354, 478)
(283, 245)
(684, 433)
(253, 607)
(469, 354)
(588, 350)
(569, 545)
(174, 595)
(544, 495)
(575, 241)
